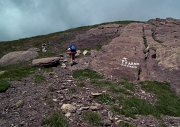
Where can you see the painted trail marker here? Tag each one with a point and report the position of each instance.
(129, 64)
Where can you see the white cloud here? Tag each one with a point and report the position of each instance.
(21, 19)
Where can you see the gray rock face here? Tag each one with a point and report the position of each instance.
(124, 57)
(17, 57)
(128, 46)
(50, 61)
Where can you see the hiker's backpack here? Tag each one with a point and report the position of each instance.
(73, 48)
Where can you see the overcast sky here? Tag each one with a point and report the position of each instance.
(27, 18)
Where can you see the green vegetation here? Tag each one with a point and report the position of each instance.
(127, 84)
(86, 73)
(4, 85)
(105, 99)
(39, 78)
(72, 90)
(80, 84)
(146, 49)
(55, 120)
(167, 101)
(144, 39)
(51, 89)
(125, 124)
(101, 83)
(48, 53)
(98, 47)
(133, 106)
(45, 69)
(50, 103)
(92, 118)
(118, 22)
(115, 89)
(162, 125)
(16, 72)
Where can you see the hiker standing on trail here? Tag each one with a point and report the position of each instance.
(71, 51)
(44, 47)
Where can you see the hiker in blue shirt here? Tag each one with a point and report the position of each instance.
(72, 51)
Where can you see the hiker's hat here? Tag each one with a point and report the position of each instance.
(68, 49)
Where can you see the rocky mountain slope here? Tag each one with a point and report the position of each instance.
(136, 51)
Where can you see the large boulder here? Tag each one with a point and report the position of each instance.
(49, 61)
(17, 57)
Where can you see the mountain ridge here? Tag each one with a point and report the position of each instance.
(124, 54)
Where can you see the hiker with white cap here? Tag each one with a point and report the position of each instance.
(72, 51)
(44, 47)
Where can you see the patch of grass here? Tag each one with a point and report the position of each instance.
(102, 83)
(133, 106)
(50, 103)
(86, 73)
(125, 124)
(92, 118)
(46, 69)
(45, 97)
(105, 99)
(127, 84)
(55, 120)
(17, 72)
(163, 125)
(39, 78)
(114, 89)
(120, 99)
(51, 89)
(145, 41)
(48, 53)
(98, 47)
(128, 22)
(4, 85)
(167, 101)
(80, 84)
(72, 90)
